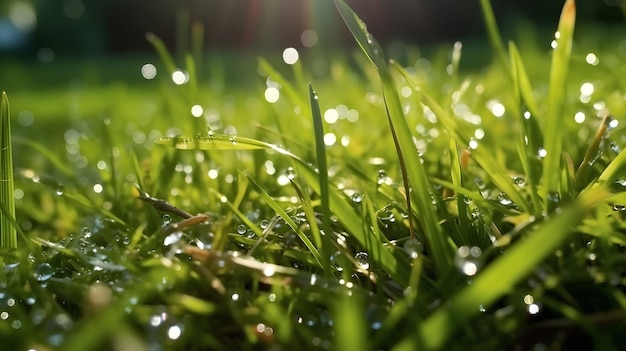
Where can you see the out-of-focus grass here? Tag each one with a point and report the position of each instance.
(308, 242)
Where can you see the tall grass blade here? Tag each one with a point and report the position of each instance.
(556, 100)
(493, 32)
(8, 234)
(531, 139)
(163, 53)
(420, 189)
(322, 166)
(501, 275)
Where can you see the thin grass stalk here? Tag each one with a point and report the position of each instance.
(8, 234)
(556, 101)
(494, 33)
(528, 138)
(322, 166)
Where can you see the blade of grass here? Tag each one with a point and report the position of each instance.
(163, 53)
(494, 33)
(413, 171)
(553, 134)
(501, 275)
(320, 150)
(8, 234)
(531, 136)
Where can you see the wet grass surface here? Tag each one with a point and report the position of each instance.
(239, 210)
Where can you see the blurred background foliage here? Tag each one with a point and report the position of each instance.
(97, 27)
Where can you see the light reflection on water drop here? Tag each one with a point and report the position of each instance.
(241, 229)
(357, 197)
(413, 247)
(43, 272)
(362, 259)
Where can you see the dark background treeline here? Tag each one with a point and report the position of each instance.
(119, 26)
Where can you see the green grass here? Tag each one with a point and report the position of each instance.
(403, 204)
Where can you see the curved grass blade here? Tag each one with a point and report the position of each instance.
(553, 135)
(413, 171)
(164, 54)
(502, 274)
(493, 32)
(8, 234)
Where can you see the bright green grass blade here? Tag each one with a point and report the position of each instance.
(531, 136)
(8, 235)
(613, 172)
(351, 332)
(553, 134)
(281, 212)
(407, 153)
(493, 32)
(483, 156)
(462, 208)
(322, 166)
(530, 124)
(501, 275)
(212, 142)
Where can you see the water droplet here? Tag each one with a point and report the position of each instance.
(87, 232)
(480, 183)
(519, 181)
(43, 272)
(619, 207)
(504, 199)
(337, 260)
(172, 238)
(126, 240)
(241, 229)
(534, 308)
(357, 197)
(541, 153)
(166, 219)
(250, 234)
(290, 173)
(264, 223)
(467, 200)
(59, 192)
(466, 259)
(382, 178)
(554, 197)
(362, 259)
(413, 247)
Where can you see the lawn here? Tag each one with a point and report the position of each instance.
(462, 197)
